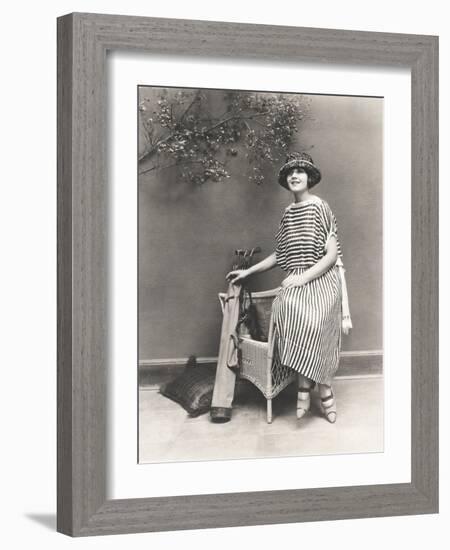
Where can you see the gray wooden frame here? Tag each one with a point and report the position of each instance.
(83, 41)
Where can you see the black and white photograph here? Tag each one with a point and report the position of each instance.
(260, 274)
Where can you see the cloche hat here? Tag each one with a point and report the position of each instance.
(300, 160)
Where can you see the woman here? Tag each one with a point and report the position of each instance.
(312, 301)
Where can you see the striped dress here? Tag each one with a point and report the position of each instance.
(307, 319)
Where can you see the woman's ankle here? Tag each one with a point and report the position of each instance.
(325, 390)
(305, 383)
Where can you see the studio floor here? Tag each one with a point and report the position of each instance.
(167, 433)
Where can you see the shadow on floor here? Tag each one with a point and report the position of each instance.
(47, 520)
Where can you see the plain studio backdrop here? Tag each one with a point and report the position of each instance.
(187, 233)
(28, 218)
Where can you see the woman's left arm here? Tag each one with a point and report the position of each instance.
(317, 269)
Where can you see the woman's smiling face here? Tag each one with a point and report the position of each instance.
(297, 180)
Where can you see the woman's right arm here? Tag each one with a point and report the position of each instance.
(239, 275)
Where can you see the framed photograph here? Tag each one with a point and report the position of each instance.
(182, 150)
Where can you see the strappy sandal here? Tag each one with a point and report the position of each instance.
(303, 403)
(329, 407)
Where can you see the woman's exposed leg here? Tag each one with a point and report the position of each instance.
(305, 385)
(328, 402)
